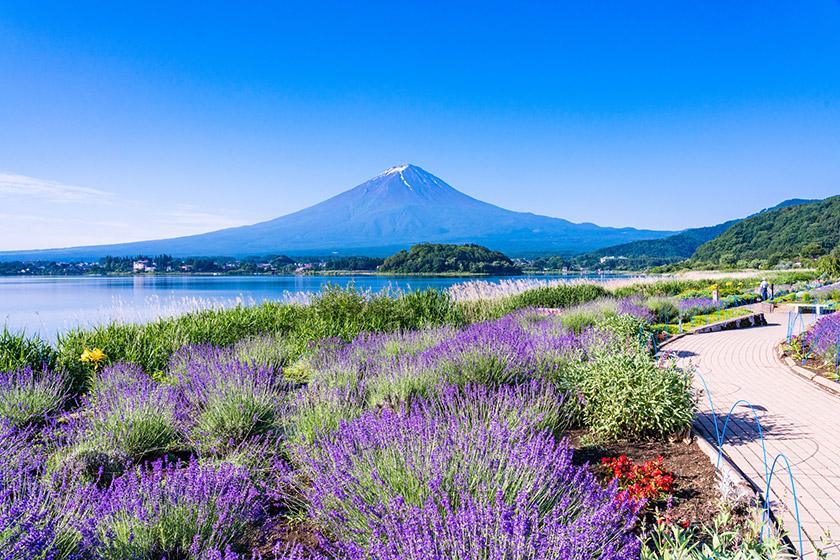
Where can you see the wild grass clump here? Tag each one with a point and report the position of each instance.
(554, 297)
(18, 350)
(662, 288)
(277, 332)
(559, 296)
(29, 396)
(150, 346)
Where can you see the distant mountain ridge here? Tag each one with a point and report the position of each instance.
(681, 246)
(401, 206)
(804, 229)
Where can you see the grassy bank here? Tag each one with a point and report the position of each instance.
(335, 313)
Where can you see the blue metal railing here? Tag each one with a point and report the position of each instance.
(720, 438)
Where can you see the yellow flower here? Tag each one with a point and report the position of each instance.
(93, 356)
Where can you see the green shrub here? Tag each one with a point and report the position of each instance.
(558, 296)
(664, 310)
(628, 396)
(662, 288)
(625, 327)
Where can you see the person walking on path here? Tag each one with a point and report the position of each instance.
(762, 288)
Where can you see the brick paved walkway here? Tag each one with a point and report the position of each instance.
(798, 419)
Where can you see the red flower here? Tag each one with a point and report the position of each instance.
(649, 481)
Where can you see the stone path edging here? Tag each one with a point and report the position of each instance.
(815, 378)
(752, 320)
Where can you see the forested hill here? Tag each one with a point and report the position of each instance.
(668, 250)
(807, 230)
(444, 258)
(655, 252)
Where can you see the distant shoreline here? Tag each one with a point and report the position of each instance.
(333, 273)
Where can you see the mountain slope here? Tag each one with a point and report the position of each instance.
(674, 248)
(399, 207)
(668, 249)
(781, 233)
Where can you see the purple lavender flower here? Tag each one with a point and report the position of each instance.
(824, 337)
(228, 401)
(439, 449)
(39, 512)
(128, 418)
(172, 510)
(635, 307)
(698, 306)
(468, 527)
(29, 396)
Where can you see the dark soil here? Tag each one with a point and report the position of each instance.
(695, 493)
(280, 532)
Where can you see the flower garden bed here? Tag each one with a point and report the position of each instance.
(817, 350)
(695, 490)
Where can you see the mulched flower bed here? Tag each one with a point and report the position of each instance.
(695, 487)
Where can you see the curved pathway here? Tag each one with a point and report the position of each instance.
(798, 419)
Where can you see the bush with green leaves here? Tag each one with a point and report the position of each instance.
(628, 395)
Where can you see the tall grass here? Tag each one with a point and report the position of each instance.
(17, 350)
(335, 313)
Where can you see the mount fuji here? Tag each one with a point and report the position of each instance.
(401, 206)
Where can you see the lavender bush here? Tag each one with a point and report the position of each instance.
(689, 307)
(228, 401)
(635, 307)
(128, 418)
(440, 448)
(824, 338)
(171, 510)
(30, 396)
(40, 514)
(469, 528)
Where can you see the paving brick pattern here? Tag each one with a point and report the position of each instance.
(797, 418)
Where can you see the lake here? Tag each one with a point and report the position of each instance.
(48, 305)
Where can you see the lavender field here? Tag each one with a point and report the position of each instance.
(441, 433)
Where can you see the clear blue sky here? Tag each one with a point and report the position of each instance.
(122, 123)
